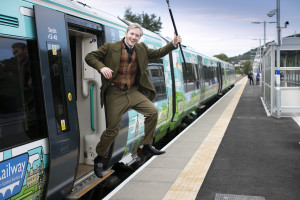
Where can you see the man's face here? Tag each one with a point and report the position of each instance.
(132, 36)
(20, 53)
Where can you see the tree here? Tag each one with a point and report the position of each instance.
(222, 56)
(132, 17)
(247, 67)
(150, 22)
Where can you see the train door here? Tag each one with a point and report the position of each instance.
(201, 79)
(60, 106)
(220, 77)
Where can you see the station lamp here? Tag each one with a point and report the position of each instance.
(264, 22)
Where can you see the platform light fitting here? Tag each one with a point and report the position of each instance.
(272, 13)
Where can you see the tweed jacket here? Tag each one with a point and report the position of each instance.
(109, 55)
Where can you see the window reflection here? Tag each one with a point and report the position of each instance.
(20, 93)
(155, 73)
(189, 77)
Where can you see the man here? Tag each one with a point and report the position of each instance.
(250, 76)
(20, 51)
(257, 78)
(123, 65)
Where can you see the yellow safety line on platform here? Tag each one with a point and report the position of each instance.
(191, 178)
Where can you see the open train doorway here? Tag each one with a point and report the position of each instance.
(91, 116)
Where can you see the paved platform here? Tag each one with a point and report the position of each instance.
(227, 153)
(258, 157)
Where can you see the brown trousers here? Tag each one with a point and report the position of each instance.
(119, 101)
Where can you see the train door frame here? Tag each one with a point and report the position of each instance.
(86, 36)
(91, 80)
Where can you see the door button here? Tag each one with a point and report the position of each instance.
(70, 97)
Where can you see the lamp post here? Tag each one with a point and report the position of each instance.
(277, 76)
(259, 54)
(259, 46)
(257, 65)
(264, 22)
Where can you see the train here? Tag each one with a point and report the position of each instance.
(50, 113)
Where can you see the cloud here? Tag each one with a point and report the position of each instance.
(212, 26)
(119, 3)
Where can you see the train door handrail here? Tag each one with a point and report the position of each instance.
(92, 106)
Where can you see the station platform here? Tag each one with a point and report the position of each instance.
(234, 151)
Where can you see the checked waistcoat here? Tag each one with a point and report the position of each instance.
(127, 70)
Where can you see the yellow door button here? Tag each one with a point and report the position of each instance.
(70, 97)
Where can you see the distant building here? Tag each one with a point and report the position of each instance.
(240, 63)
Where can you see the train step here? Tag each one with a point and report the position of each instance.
(86, 183)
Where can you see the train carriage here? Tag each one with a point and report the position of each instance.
(50, 116)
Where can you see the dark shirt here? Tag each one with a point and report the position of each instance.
(128, 50)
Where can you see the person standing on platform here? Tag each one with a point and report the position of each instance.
(257, 78)
(250, 76)
(126, 85)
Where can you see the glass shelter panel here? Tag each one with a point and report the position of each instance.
(290, 58)
(290, 68)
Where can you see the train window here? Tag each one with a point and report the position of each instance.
(21, 106)
(156, 74)
(209, 75)
(156, 61)
(58, 89)
(205, 70)
(189, 77)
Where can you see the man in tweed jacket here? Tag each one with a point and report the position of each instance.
(123, 65)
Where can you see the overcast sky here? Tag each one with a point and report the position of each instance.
(213, 26)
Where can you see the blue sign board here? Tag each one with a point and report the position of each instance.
(12, 173)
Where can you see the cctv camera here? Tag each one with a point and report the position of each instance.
(286, 24)
(272, 13)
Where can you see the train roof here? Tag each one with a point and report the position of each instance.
(82, 10)
(145, 31)
(79, 9)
